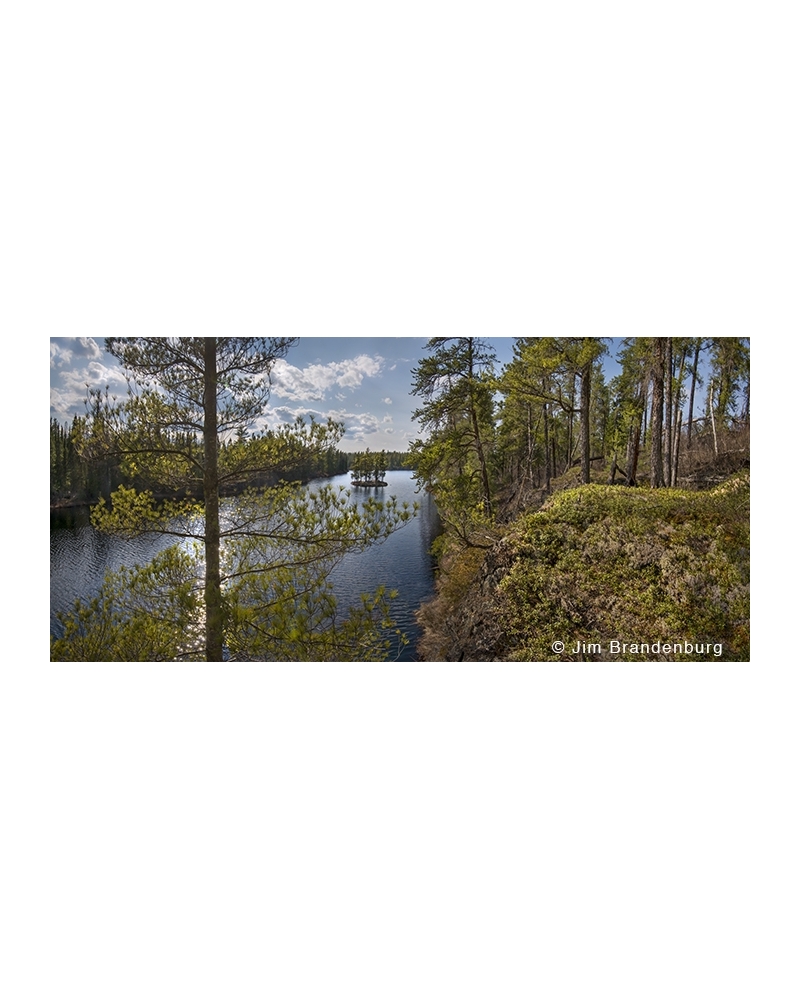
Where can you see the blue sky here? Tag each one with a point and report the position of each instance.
(363, 382)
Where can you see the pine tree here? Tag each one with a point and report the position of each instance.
(547, 371)
(188, 423)
(730, 373)
(455, 383)
(657, 375)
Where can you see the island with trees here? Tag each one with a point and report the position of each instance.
(585, 516)
(252, 585)
(368, 469)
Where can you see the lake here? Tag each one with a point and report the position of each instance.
(80, 557)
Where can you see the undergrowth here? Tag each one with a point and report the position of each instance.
(602, 563)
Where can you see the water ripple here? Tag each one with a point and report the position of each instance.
(80, 557)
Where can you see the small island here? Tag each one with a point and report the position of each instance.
(368, 469)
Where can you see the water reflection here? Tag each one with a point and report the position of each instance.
(80, 557)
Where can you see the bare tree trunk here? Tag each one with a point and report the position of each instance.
(534, 435)
(570, 422)
(677, 449)
(668, 410)
(632, 458)
(645, 398)
(657, 414)
(586, 396)
(691, 395)
(677, 420)
(713, 422)
(213, 588)
(529, 457)
(547, 465)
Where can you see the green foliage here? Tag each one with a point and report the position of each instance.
(540, 428)
(149, 613)
(65, 475)
(130, 513)
(730, 374)
(456, 383)
(188, 424)
(629, 392)
(73, 476)
(278, 547)
(368, 466)
(592, 565)
(600, 563)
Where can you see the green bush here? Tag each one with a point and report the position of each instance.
(602, 563)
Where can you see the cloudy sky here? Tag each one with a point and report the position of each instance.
(363, 382)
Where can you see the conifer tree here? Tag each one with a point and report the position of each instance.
(730, 373)
(545, 370)
(657, 374)
(455, 383)
(188, 422)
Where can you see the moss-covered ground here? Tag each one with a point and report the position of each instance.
(603, 565)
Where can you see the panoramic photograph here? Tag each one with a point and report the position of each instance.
(343, 499)
(383, 662)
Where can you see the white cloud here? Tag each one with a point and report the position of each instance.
(357, 425)
(64, 350)
(70, 388)
(314, 381)
(275, 416)
(64, 404)
(89, 348)
(59, 356)
(387, 401)
(98, 376)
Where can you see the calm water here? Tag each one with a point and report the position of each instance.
(80, 556)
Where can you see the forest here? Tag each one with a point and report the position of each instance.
(659, 421)
(573, 504)
(244, 581)
(579, 507)
(77, 479)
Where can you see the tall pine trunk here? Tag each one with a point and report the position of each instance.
(677, 418)
(570, 423)
(487, 492)
(691, 394)
(634, 442)
(713, 422)
(668, 410)
(213, 588)
(586, 396)
(657, 414)
(547, 462)
(677, 451)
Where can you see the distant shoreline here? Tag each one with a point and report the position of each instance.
(69, 503)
